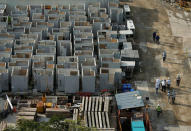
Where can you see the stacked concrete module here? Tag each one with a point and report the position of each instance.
(64, 48)
(29, 37)
(68, 80)
(82, 54)
(110, 78)
(40, 31)
(89, 63)
(5, 57)
(67, 62)
(40, 24)
(88, 80)
(43, 79)
(110, 62)
(109, 53)
(77, 7)
(4, 85)
(17, 31)
(19, 80)
(44, 58)
(3, 23)
(7, 36)
(56, 18)
(25, 43)
(46, 47)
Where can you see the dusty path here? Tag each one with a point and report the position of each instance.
(150, 15)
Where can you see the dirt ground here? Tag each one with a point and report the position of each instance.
(149, 16)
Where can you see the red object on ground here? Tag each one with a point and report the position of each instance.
(14, 109)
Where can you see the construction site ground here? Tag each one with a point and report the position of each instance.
(173, 25)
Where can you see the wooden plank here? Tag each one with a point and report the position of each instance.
(82, 106)
(89, 119)
(90, 103)
(85, 118)
(96, 118)
(103, 120)
(106, 104)
(86, 103)
(93, 119)
(93, 103)
(97, 102)
(100, 120)
(25, 117)
(100, 103)
(107, 119)
(25, 109)
(74, 114)
(26, 113)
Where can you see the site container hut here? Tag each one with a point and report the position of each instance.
(127, 12)
(128, 33)
(110, 78)
(130, 25)
(126, 102)
(128, 68)
(130, 55)
(68, 80)
(88, 79)
(19, 80)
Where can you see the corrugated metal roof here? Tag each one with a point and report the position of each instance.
(129, 100)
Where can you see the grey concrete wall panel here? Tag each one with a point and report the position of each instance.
(19, 80)
(4, 79)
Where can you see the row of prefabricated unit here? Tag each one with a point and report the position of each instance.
(35, 49)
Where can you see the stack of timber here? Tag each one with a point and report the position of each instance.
(58, 111)
(95, 112)
(26, 113)
(3, 126)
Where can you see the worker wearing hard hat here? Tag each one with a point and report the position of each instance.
(159, 110)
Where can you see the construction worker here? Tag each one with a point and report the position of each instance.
(164, 56)
(157, 39)
(157, 85)
(154, 36)
(168, 83)
(178, 80)
(163, 84)
(173, 96)
(159, 110)
(168, 94)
